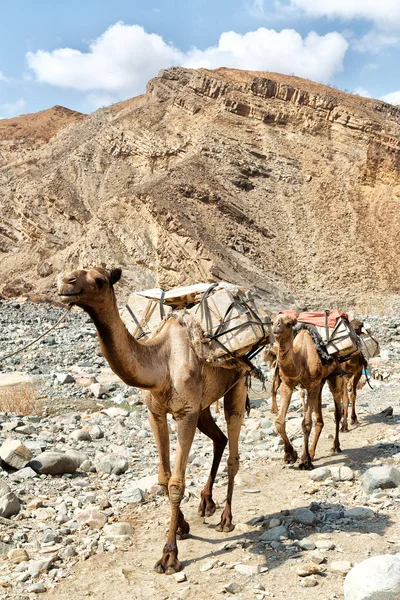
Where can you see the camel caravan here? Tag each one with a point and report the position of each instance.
(190, 347)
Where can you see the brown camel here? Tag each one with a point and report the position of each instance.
(177, 383)
(299, 363)
(270, 355)
(353, 368)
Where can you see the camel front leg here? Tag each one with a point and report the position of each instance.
(276, 382)
(345, 407)
(280, 423)
(353, 395)
(310, 405)
(186, 428)
(234, 407)
(159, 427)
(208, 426)
(336, 386)
(319, 423)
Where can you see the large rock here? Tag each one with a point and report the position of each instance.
(381, 478)
(110, 463)
(92, 517)
(15, 454)
(274, 534)
(304, 516)
(9, 505)
(53, 463)
(376, 578)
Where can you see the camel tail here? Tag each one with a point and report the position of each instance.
(248, 405)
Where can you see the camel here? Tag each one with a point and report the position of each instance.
(299, 363)
(177, 382)
(270, 354)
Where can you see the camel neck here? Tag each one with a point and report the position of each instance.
(131, 360)
(287, 357)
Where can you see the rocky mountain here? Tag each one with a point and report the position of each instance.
(272, 181)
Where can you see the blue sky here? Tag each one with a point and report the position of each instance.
(89, 53)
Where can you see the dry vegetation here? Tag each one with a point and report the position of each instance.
(21, 400)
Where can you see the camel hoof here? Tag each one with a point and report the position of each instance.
(207, 507)
(344, 428)
(290, 458)
(336, 450)
(183, 530)
(225, 527)
(168, 565)
(306, 466)
(354, 422)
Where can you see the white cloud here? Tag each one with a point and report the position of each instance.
(2, 77)
(13, 109)
(121, 61)
(374, 42)
(360, 91)
(384, 13)
(96, 100)
(392, 98)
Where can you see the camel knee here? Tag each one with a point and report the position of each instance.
(175, 492)
(280, 425)
(307, 425)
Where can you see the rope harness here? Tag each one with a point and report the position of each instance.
(39, 338)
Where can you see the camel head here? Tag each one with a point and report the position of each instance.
(282, 325)
(87, 288)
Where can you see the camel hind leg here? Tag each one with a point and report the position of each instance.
(234, 407)
(353, 396)
(345, 407)
(336, 386)
(208, 426)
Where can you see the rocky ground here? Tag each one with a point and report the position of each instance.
(82, 515)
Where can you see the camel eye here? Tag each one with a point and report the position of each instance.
(100, 281)
(72, 280)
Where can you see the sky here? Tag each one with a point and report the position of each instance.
(85, 54)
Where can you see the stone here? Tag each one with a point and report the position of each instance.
(15, 454)
(28, 429)
(92, 517)
(380, 477)
(377, 578)
(95, 431)
(340, 567)
(63, 378)
(359, 513)
(80, 435)
(53, 463)
(309, 581)
(247, 570)
(320, 474)
(274, 522)
(274, 535)
(133, 495)
(342, 473)
(324, 545)
(304, 516)
(180, 577)
(17, 555)
(110, 463)
(77, 456)
(308, 569)
(35, 567)
(23, 474)
(115, 411)
(120, 529)
(306, 544)
(232, 588)
(37, 588)
(97, 389)
(9, 505)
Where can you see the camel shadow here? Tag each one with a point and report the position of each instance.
(329, 518)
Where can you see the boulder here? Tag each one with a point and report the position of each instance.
(9, 505)
(110, 463)
(381, 478)
(304, 516)
(15, 454)
(377, 578)
(53, 463)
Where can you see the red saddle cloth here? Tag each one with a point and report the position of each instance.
(317, 318)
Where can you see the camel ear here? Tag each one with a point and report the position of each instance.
(294, 321)
(115, 275)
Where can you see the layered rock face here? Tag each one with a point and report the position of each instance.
(288, 187)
